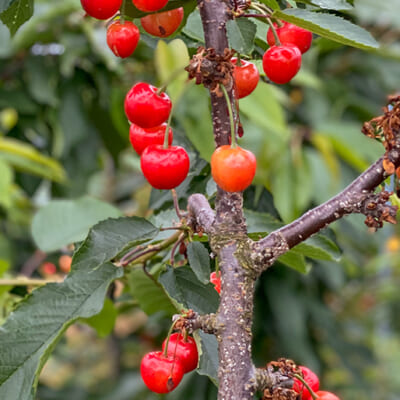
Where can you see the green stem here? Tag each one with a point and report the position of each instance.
(122, 13)
(231, 120)
(262, 8)
(166, 135)
(171, 329)
(277, 40)
(301, 379)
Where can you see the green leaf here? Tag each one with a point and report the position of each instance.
(26, 158)
(170, 58)
(74, 217)
(295, 261)
(199, 261)
(208, 353)
(6, 179)
(194, 27)
(104, 321)
(271, 4)
(333, 4)
(183, 287)
(109, 238)
(19, 12)
(4, 4)
(149, 294)
(329, 26)
(319, 247)
(241, 33)
(31, 331)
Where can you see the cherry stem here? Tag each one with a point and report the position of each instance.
(171, 329)
(177, 243)
(301, 379)
(176, 203)
(122, 13)
(231, 120)
(166, 134)
(265, 10)
(277, 40)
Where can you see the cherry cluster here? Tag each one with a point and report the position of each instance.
(163, 165)
(163, 370)
(123, 36)
(282, 60)
(311, 381)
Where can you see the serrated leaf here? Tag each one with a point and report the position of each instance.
(19, 12)
(333, 4)
(183, 287)
(194, 27)
(104, 321)
(30, 332)
(329, 26)
(110, 237)
(208, 353)
(149, 294)
(75, 217)
(241, 33)
(199, 261)
(26, 158)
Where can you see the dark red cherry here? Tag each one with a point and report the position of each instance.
(246, 77)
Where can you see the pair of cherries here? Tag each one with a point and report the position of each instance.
(123, 37)
(313, 382)
(282, 62)
(164, 166)
(163, 370)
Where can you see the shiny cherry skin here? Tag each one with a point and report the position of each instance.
(312, 380)
(164, 168)
(162, 24)
(216, 281)
(161, 374)
(149, 5)
(233, 168)
(289, 33)
(122, 39)
(101, 9)
(146, 108)
(281, 63)
(246, 77)
(142, 137)
(322, 395)
(186, 351)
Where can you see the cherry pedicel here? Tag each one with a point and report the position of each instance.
(216, 281)
(122, 38)
(281, 63)
(161, 374)
(101, 9)
(233, 168)
(142, 137)
(312, 380)
(149, 5)
(185, 350)
(165, 168)
(145, 107)
(162, 24)
(246, 77)
(322, 395)
(289, 33)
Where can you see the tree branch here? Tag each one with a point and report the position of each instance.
(358, 197)
(201, 215)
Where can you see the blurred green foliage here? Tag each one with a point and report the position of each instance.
(63, 135)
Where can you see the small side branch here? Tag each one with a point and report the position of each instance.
(193, 322)
(201, 215)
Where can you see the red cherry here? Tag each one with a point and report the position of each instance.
(161, 374)
(216, 281)
(186, 351)
(146, 108)
(322, 395)
(143, 137)
(233, 169)
(289, 33)
(101, 9)
(122, 39)
(246, 77)
(164, 168)
(312, 380)
(162, 24)
(281, 63)
(149, 5)
(48, 268)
